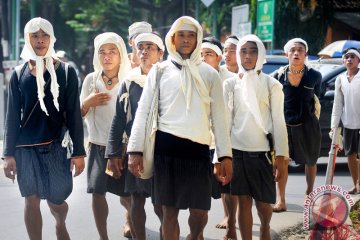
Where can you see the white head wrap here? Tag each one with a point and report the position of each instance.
(110, 37)
(139, 27)
(354, 52)
(213, 47)
(291, 42)
(251, 78)
(232, 41)
(189, 72)
(150, 37)
(28, 53)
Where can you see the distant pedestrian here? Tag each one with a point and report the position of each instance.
(301, 85)
(255, 110)
(98, 100)
(190, 96)
(43, 102)
(150, 50)
(211, 53)
(346, 108)
(135, 29)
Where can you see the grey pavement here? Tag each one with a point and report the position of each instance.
(81, 224)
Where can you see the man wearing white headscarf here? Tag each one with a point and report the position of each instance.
(346, 108)
(150, 50)
(255, 111)
(43, 100)
(98, 100)
(301, 85)
(135, 29)
(190, 96)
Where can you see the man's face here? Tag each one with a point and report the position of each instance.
(148, 53)
(40, 42)
(351, 61)
(210, 57)
(230, 54)
(185, 43)
(248, 55)
(109, 56)
(297, 54)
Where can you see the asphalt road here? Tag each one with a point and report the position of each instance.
(81, 224)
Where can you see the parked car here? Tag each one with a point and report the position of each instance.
(274, 62)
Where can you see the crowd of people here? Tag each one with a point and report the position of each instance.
(221, 131)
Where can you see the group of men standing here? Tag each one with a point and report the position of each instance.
(248, 118)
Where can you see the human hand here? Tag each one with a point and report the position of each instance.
(279, 167)
(79, 164)
(331, 133)
(116, 166)
(136, 164)
(223, 171)
(96, 99)
(10, 167)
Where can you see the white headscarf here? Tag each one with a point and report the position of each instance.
(28, 53)
(189, 72)
(251, 78)
(150, 37)
(139, 27)
(110, 37)
(291, 43)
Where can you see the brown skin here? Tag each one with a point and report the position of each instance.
(185, 43)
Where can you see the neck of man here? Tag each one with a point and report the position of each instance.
(351, 72)
(112, 72)
(145, 69)
(233, 68)
(297, 67)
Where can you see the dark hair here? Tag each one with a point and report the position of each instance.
(348, 49)
(214, 41)
(233, 36)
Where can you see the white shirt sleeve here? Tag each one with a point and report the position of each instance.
(338, 104)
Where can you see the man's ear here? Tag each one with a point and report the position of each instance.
(219, 58)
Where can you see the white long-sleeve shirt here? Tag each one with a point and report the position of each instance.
(347, 102)
(246, 135)
(193, 124)
(99, 118)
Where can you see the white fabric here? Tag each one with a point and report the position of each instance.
(232, 41)
(187, 27)
(246, 134)
(139, 27)
(150, 37)
(189, 74)
(346, 102)
(98, 119)
(28, 53)
(195, 125)
(291, 42)
(135, 75)
(251, 78)
(225, 73)
(110, 37)
(354, 52)
(213, 47)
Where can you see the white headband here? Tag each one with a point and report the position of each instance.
(187, 27)
(213, 47)
(149, 37)
(232, 41)
(139, 27)
(291, 42)
(352, 51)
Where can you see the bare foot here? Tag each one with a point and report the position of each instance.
(127, 231)
(189, 237)
(279, 207)
(62, 233)
(230, 234)
(222, 224)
